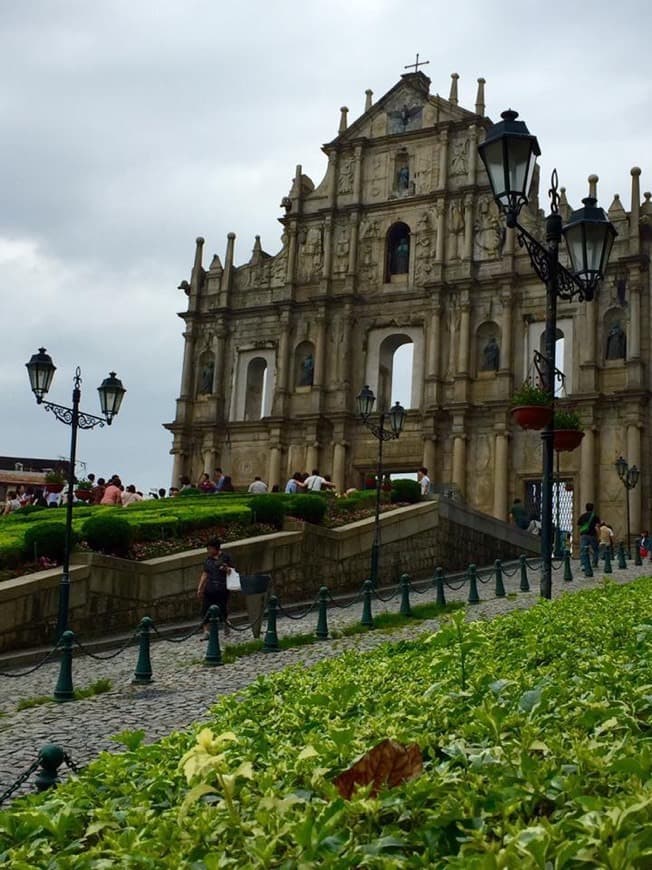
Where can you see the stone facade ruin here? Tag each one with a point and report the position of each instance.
(401, 243)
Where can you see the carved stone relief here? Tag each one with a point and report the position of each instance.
(456, 224)
(488, 231)
(342, 246)
(345, 179)
(311, 254)
(426, 246)
(459, 160)
(368, 250)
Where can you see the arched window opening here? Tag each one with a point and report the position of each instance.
(304, 364)
(395, 371)
(398, 251)
(256, 383)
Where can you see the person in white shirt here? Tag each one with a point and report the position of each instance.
(315, 482)
(424, 481)
(257, 485)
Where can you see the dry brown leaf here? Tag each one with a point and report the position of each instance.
(388, 764)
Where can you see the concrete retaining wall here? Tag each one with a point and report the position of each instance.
(109, 594)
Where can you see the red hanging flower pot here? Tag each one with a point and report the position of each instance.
(567, 439)
(54, 487)
(83, 494)
(532, 416)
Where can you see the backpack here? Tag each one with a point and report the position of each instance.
(586, 525)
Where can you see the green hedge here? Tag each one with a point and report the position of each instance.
(109, 534)
(406, 490)
(534, 730)
(47, 539)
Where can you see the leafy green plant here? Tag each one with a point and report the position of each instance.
(268, 509)
(84, 484)
(54, 476)
(108, 534)
(190, 491)
(310, 508)
(47, 539)
(530, 394)
(568, 420)
(405, 490)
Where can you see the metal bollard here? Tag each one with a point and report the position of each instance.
(50, 758)
(322, 620)
(525, 586)
(568, 574)
(473, 598)
(637, 552)
(143, 672)
(439, 583)
(622, 561)
(213, 656)
(405, 609)
(500, 586)
(367, 619)
(63, 690)
(270, 643)
(607, 561)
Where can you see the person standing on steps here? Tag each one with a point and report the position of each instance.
(212, 582)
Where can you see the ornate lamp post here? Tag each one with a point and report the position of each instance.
(509, 154)
(41, 371)
(396, 418)
(629, 477)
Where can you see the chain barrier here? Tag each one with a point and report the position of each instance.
(31, 670)
(107, 658)
(247, 627)
(510, 573)
(181, 639)
(7, 793)
(389, 597)
(557, 565)
(490, 576)
(356, 600)
(456, 588)
(71, 764)
(533, 567)
(428, 588)
(298, 616)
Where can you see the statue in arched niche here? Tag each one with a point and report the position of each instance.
(207, 376)
(490, 356)
(616, 342)
(400, 256)
(307, 371)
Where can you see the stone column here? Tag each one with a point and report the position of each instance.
(634, 458)
(441, 231)
(319, 379)
(468, 226)
(177, 466)
(208, 457)
(506, 330)
(339, 465)
(459, 460)
(473, 152)
(328, 246)
(312, 456)
(587, 468)
(274, 472)
(590, 312)
(357, 174)
(292, 252)
(634, 322)
(430, 455)
(220, 346)
(353, 249)
(188, 361)
(443, 159)
(501, 468)
(465, 325)
(434, 340)
(345, 351)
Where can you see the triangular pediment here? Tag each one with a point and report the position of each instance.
(408, 106)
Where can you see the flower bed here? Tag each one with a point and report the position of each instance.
(536, 740)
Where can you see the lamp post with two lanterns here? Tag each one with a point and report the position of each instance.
(41, 371)
(509, 154)
(629, 475)
(396, 419)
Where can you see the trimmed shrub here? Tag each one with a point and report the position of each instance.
(108, 534)
(406, 490)
(311, 508)
(30, 509)
(47, 539)
(268, 509)
(190, 491)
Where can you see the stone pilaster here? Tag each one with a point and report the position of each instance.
(634, 458)
(443, 160)
(473, 154)
(468, 226)
(587, 468)
(501, 472)
(339, 465)
(459, 460)
(430, 455)
(274, 472)
(464, 336)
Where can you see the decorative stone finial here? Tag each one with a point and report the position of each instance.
(368, 99)
(230, 236)
(343, 122)
(452, 98)
(593, 186)
(479, 99)
(636, 170)
(199, 240)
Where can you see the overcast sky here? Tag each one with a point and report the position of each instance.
(129, 128)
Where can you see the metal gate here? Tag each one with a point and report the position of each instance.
(562, 507)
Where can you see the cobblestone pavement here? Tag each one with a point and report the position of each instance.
(183, 689)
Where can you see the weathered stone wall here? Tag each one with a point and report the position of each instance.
(109, 594)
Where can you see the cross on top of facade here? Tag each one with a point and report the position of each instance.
(416, 64)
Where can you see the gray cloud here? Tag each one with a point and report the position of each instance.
(130, 128)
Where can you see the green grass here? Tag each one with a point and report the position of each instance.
(97, 688)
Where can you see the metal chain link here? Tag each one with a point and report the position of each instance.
(414, 589)
(345, 606)
(184, 637)
(246, 627)
(389, 597)
(71, 764)
(532, 567)
(510, 573)
(487, 578)
(305, 613)
(112, 655)
(35, 668)
(21, 779)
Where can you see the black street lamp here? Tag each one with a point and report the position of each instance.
(396, 418)
(629, 477)
(41, 371)
(509, 154)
